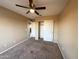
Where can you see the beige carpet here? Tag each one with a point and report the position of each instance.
(32, 49)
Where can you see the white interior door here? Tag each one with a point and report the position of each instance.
(32, 29)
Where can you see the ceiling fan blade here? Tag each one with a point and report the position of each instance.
(27, 12)
(30, 3)
(40, 8)
(22, 6)
(37, 13)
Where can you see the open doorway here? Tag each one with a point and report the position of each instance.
(41, 30)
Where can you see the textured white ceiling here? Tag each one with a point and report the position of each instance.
(53, 7)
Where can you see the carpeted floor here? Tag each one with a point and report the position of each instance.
(32, 49)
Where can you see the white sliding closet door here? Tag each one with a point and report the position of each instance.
(42, 30)
(48, 30)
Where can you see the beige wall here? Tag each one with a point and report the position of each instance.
(12, 28)
(67, 31)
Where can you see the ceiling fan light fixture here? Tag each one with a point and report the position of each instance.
(32, 10)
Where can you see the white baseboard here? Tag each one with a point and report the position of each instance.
(13, 46)
(60, 47)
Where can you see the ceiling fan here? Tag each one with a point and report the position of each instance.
(32, 8)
